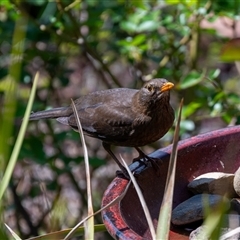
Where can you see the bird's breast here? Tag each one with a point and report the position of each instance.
(148, 129)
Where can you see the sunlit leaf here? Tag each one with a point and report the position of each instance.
(187, 2)
(129, 26)
(140, 38)
(190, 108)
(217, 97)
(192, 79)
(214, 73)
(148, 26)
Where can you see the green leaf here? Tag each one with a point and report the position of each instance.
(192, 79)
(218, 97)
(214, 73)
(227, 117)
(233, 99)
(128, 26)
(141, 38)
(148, 26)
(190, 108)
(37, 2)
(187, 2)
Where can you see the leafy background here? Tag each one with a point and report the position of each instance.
(83, 46)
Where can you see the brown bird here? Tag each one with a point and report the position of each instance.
(121, 116)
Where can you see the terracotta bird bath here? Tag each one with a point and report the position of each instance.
(214, 151)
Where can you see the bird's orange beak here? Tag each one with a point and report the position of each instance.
(166, 86)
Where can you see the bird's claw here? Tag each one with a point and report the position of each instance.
(152, 160)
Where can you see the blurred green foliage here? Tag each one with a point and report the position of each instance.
(82, 46)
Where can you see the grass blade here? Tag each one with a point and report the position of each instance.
(18, 144)
(15, 236)
(142, 200)
(229, 234)
(60, 234)
(7, 115)
(166, 208)
(214, 220)
(89, 233)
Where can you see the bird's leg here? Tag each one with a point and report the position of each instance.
(146, 158)
(124, 172)
(142, 155)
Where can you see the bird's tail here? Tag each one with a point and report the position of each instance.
(52, 113)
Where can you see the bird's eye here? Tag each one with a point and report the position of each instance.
(149, 88)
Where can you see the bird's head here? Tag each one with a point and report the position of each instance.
(154, 91)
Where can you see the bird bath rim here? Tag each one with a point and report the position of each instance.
(116, 220)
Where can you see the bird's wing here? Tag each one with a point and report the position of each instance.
(105, 122)
(105, 114)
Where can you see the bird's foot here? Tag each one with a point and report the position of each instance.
(147, 159)
(155, 163)
(143, 162)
